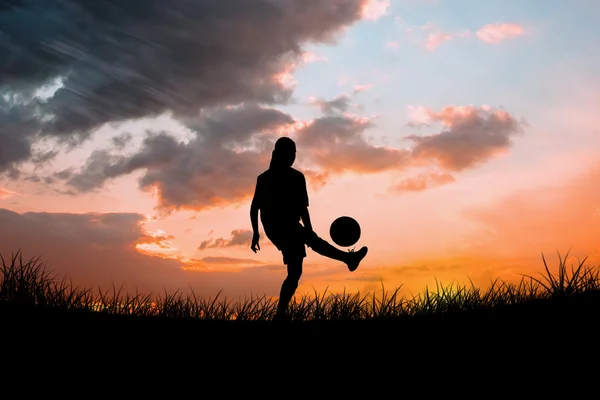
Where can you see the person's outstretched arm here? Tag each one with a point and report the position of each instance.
(254, 207)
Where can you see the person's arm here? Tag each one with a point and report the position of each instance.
(254, 216)
(304, 214)
(254, 207)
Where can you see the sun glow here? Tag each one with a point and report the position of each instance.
(158, 244)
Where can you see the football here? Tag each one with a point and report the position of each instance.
(345, 231)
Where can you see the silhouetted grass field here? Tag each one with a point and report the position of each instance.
(560, 306)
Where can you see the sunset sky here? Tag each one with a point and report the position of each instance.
(463, 135)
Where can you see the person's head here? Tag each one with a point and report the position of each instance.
(284, 153)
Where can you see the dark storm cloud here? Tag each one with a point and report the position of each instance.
(122, 140)
(43, 157)
(219, 165)
(121, 60)
(18, 127)
(64, 174)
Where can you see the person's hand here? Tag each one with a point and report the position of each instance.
(255, 246)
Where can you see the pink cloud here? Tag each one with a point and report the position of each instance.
(470, 136)
(436, 37)
(419, 115)
(375, 9)
(316, 179)
(431, 36)
(497, 33)
(309, 57)
(5, 193)
(362, 88)
(451, 115)
(99, 250)
(423, 182)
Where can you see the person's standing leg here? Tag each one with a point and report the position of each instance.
(289, 241)
(289, 286)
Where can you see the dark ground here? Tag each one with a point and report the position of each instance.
(531, 347)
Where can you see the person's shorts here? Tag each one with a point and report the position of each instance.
(290, 241)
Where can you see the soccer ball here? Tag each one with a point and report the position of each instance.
(345, 231)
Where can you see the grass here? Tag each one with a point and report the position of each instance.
(28, 283)
(457, 333)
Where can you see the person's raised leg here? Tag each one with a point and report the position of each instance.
(289, 286)
(324, 248)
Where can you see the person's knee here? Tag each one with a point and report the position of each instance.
(291, 282)
(294, 272)
(312, 240)
(294, 276)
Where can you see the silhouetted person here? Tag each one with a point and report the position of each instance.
(282, 199)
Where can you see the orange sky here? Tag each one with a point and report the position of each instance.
(457, 164)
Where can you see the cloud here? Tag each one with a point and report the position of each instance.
(99, 250)
(418, 116)
(121, 140)
(336, 143)
(428, 35)
(362, 88)
(497, 33)
(99, 246)
(471, 136)
(7, 194)
(435, 39)
(230, 260)
(138, 59)
(375, 9)
(339, 104)
(422, 182)
(239, 237)
(309, 57)
(231, 147)
(316, 179)
(19, 127)
(431, 37)
(218, 166)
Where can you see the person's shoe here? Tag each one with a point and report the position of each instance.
(355, 257)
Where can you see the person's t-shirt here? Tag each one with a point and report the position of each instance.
(280, 195)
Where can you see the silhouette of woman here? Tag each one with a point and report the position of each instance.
(282, 198)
